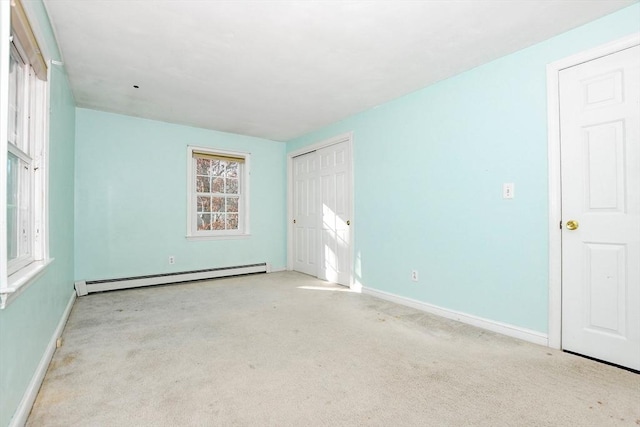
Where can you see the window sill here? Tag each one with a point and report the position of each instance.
(221, 237)
(19, 281)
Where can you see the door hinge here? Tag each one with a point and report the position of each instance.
(560, 225)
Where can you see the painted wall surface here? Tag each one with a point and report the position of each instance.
(27, 325)
(131, 199)
(428, 172)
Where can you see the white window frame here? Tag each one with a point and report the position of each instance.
(243, 209)
(18, 274)
(24, 150)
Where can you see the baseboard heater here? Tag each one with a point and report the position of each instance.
(90, 286)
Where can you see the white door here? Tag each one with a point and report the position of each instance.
(305, 214)
(600, 155)
(335, 203)
(321, 209)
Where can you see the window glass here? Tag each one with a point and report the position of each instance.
(16, 98)
(12, 206)
(217, 188)
(218, 192)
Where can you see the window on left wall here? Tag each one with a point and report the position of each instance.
(24, 142)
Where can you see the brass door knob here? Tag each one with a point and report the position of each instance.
(572, 224)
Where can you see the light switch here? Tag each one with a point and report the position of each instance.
(508, 189)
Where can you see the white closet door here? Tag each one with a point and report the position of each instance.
(321, 213)
(335, 202)
(305, 214)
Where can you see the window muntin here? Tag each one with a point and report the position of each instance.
(217, 193)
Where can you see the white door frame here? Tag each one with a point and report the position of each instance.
(555, 193)
(345, 137)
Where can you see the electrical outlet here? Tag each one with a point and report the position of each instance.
(508, 190)
(172, 259)
(414, 275)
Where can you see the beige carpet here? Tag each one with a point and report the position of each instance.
(285, 349)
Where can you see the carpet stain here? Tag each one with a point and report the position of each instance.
(66, 361)
(61, 395)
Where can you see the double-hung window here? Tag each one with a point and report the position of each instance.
(20, 166)
(218, 190)
(24, 137)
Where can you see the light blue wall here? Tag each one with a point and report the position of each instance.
(131, 195)
(27, 325)
(428, 172)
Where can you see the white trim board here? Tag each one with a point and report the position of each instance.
(30, 394)
(490, 325)
(344, 137)
(555, 194)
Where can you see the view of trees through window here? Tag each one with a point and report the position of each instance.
(218, 194)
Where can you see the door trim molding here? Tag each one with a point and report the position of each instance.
(344, 137)
(555, 193)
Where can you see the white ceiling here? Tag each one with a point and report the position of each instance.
(280, 69)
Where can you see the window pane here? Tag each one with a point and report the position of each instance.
(204, 204)
(25, 201)
(204, 222)
(13, 185)
(217, 185)
(232, 169)
(217, 204)
(217, 167)
(16, 100)
(217, 221)
(202, 166)
(232, 204)
(232, 186)
(18, 208)
(232, 221)
(202, 184)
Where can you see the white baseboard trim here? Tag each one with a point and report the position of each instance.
(29, 397)
(276, 270)
(491, 325)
